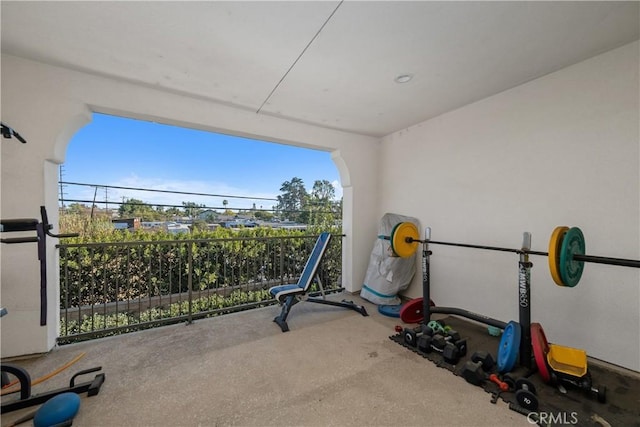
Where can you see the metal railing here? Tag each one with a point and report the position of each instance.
(111, 288)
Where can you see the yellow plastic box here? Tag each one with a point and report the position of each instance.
(567, 360)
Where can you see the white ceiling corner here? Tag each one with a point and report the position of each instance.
(341, 77)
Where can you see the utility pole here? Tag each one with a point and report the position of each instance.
(61, 180)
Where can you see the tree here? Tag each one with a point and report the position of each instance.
(293, 199)
(323, 191)
(77, 209)
(320, 204)
(192, 209)
(134, 208)
(198, 224)
(173, 213)
(263, 215)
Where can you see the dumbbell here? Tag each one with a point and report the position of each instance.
(526, 394)
(438, 327)
(477, 370)
(474, 374)
(485, 358)
(451, 346)
(411, 335)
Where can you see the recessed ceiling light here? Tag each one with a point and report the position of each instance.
(403, 78)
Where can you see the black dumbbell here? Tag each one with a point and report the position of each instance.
(440, 342)
(526, 394)
(473, 373)
(424, 343)
(485, 358)
(451, 354)
(451, 350)
(411, 336)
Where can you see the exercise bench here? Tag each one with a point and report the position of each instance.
(291, 294)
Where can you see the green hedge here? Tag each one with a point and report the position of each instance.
(128, 267)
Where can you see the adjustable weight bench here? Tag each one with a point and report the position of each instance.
(291, 294)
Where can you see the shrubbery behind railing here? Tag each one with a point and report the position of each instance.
(123, 284)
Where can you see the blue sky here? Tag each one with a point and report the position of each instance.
(134, 153)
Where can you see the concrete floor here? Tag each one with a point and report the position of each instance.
(334, 368)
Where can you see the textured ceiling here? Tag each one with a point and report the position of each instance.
(327, 63)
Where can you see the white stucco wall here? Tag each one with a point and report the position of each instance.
(560, 150)
(47, 105)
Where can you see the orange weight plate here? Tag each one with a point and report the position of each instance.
(555, 246)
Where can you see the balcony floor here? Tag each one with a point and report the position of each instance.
(334, 368)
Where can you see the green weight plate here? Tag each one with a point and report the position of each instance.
(572, 244)
(509, 347)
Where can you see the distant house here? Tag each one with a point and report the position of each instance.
(175, 228)
(152, 224)
(126, 223)
(237, 223)
(208, 215)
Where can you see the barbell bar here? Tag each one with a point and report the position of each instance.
(566, 251)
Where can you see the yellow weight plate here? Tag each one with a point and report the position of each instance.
(555, 245)
(404, 238)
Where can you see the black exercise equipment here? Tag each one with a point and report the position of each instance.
(524, 298)
(478, 370)
(291, 294)
(42, 230)
(485, 358)
(425, 339)
(26, 399)
(24, 379)
(526, 394)
(8, 133)
(566, 251)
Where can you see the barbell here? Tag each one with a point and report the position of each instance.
(566, 251)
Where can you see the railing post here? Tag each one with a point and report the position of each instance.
(190, 281)
(281, 261)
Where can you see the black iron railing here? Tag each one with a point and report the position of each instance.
(110, 288)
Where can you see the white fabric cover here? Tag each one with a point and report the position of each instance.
(386, 274)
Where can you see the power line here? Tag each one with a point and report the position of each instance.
(169, 191)
(105, 202)
(130, 203)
